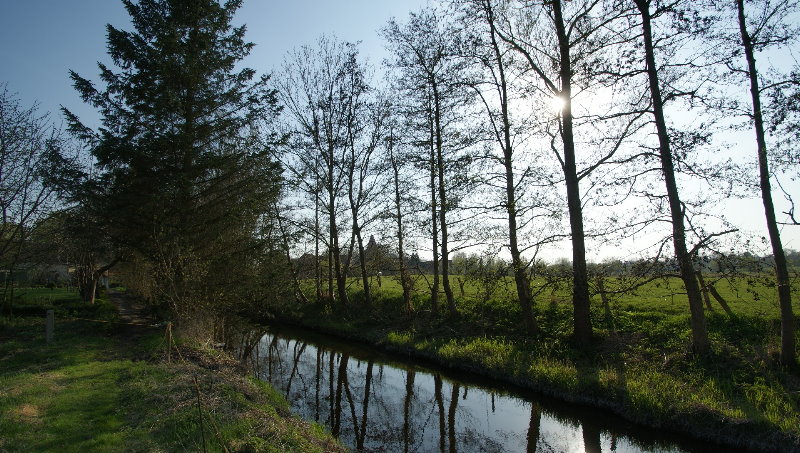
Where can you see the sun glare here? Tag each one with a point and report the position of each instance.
(557, 104)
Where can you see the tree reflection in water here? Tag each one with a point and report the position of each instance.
(399, 408)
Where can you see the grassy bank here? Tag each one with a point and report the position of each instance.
(101, 386)
(640, 365)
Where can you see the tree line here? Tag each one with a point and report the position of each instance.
(494, 121)
(502, 126)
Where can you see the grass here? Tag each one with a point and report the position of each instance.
(640, 365)
(94, 390)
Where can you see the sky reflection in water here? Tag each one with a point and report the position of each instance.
(376, 406)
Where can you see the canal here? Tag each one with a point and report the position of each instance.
(376, 402)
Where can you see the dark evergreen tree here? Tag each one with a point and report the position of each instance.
(184, 175)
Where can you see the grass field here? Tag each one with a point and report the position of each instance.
(93, 389)
(640, 365)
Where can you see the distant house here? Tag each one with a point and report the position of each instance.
(48, 274)
(56, 274)
(39, 274)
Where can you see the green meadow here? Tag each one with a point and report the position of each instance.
(102, 389)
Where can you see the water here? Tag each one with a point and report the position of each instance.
(376, 403)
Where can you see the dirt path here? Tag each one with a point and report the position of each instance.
(135, 323)
(131, 310)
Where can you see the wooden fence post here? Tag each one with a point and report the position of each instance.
(169, 342)
(50, 325)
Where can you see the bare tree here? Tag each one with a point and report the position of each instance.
(700, 341)
(365, 177)
(318, 93)
(29, 148)
(494, 60)
(768, 26)
(405, 279)
(306, 175)
(564, 48)
(423, 52)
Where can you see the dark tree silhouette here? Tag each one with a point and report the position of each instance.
(184, 178)
(559, 43)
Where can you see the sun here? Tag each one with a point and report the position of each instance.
(557, 104)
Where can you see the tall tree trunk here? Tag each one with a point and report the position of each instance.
(407, 410)
(354, 198)
(437, 393)
(331, 230)
(534, 428)
(591, 438)
(331, 398)
(351, 404)
(331, 297)
(521, 279)
(341, 381)
(341, 283)
(582, 323)
(362, 256)
(788, 353)
(405, 281)
(298, 351)
(317, 377)
(443, 205)
(434, 215)
(364, 409)
(451, 418)
(317, 266)
(700, 342)
(299, 294)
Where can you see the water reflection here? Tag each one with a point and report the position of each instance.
(373, 405)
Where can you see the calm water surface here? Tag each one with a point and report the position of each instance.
(375, 403)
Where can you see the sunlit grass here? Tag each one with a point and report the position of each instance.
(491, 352)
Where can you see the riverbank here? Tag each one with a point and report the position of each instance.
(641, 370)
(106, 383)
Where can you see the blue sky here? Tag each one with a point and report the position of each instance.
(41, 40)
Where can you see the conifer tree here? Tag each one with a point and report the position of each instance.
(183, 175)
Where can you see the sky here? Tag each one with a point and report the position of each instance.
(41, 40)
